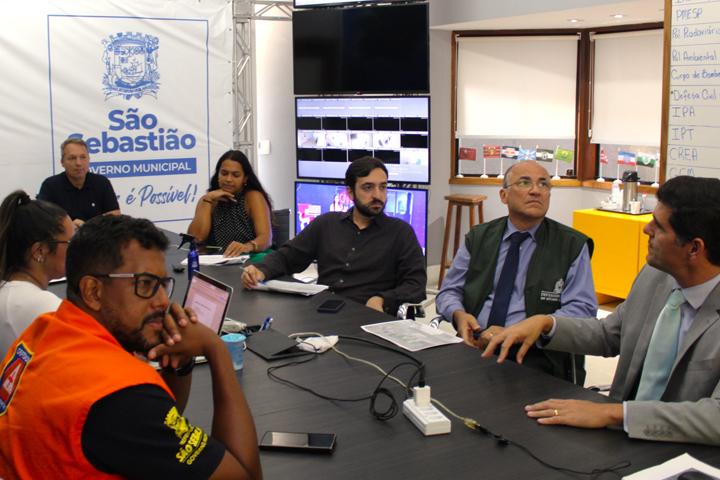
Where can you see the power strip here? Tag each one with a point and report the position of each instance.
(427, 418)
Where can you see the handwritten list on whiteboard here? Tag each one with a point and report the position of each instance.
(693, 135)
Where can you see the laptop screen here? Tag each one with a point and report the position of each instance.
(210, 299)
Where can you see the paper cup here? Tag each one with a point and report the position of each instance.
(235, 343)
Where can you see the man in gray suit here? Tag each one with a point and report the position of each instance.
(667, 332)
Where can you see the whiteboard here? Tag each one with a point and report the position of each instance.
(691, 116)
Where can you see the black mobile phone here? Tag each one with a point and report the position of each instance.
(300, 442)
(331, 306)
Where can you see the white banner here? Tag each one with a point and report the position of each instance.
(147, 84)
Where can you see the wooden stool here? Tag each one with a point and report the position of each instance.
(458, 201)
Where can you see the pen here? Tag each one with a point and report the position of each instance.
(266, 324)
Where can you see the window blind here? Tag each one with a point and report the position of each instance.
(519, 87)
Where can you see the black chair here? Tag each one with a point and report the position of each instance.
(280, 227)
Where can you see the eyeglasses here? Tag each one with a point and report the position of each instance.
(527, 184)
(146, 284)
(58, 242)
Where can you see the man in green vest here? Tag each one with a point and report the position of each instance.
(517, 266)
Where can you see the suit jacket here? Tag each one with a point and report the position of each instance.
(689, 410)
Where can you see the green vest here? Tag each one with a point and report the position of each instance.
(557, 247)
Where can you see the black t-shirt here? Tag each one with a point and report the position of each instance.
(138, 432)
(94, 198)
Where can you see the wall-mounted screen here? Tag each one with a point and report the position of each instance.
(333, 131)
(314, 199)
(377, 49)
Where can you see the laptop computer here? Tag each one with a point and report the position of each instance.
(210, 299)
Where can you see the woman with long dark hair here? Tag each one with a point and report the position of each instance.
(34, 236)
(235, 212)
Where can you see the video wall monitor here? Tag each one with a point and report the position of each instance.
(333, 131)
(314, 199)
(374, 49)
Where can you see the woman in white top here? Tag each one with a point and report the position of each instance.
(34, 236)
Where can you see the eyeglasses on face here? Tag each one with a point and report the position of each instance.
(146, 284)
(527, 184)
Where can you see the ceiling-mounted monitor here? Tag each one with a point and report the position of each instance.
(314, 199)
(376, 49)
(331, 132)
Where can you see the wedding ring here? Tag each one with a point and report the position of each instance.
(490, 335)
(556, 412)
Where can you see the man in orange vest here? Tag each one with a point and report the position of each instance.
(75, 402)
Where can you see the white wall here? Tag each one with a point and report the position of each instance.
(439, 140)
(275, 109)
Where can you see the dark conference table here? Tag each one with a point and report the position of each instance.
(492, 394)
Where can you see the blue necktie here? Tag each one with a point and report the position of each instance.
(662, 350)
(503, 291)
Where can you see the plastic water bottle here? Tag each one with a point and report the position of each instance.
(193, 260)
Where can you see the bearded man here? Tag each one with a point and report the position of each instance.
(361, 254)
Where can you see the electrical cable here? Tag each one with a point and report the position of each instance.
(394, 408)
(474, 425)
(421, 365)
(379, 391)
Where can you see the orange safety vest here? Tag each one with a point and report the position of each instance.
(56, 370)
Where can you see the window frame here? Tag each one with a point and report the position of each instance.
(586, 158)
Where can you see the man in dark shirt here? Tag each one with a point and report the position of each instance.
(81, 193)
(361, 254)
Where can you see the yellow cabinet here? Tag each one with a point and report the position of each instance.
(620, 248)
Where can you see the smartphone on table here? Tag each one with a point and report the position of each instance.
(331, 306)
(299, 442)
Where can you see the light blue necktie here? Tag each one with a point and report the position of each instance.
(662, 350)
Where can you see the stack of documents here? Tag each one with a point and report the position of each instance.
(680, 467)
(309, 275)
(220, 260)
(410, 335)
(306, 289)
